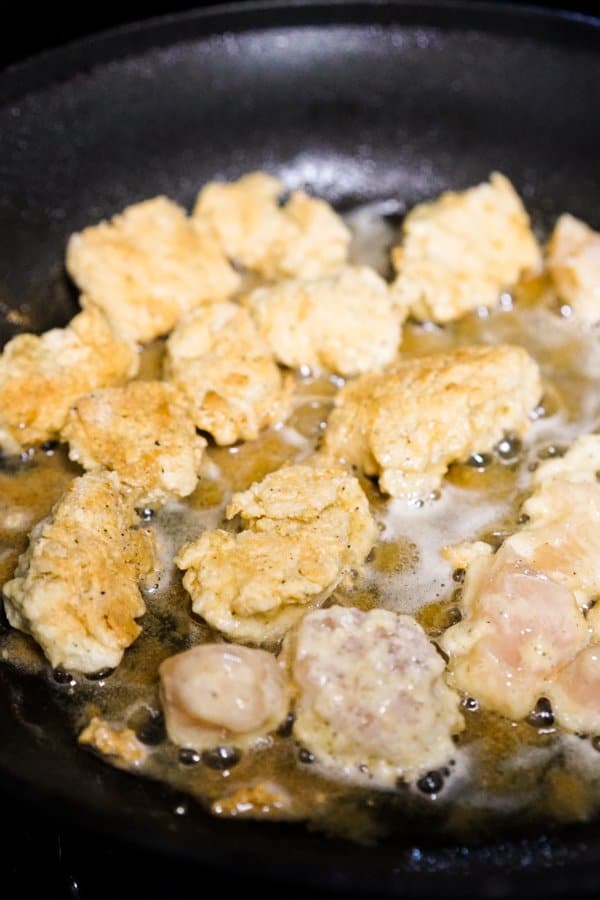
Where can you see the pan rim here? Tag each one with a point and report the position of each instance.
(39, 71)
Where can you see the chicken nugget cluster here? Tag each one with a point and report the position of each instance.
(256, 448)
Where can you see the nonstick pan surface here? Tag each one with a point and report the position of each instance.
(356, 102)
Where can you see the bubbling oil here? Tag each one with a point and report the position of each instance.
(501, 770)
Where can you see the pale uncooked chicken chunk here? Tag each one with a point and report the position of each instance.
(303, 238)
(344, 323)
(406, 425)
(144, 433)
(521, 635)
(562, 536)
(519, 629)
(76, 589)
(227, 373)
(372, 704)
(219, 695)
(306, 528)
(147, 267)
(41, 376)
(575, 693)
(460, 251)
(574, 266)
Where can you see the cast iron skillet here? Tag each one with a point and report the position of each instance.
(356, 101)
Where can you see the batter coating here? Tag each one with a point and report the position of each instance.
(406, 425)
(304, 238)
(144, 433)
(307, 528)
(58, 366)
(227, 373)
(344, 323)
(119, 743)
(461, 250)
(76, 588)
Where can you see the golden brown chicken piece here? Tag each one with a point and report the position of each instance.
(41, 376)
(407, 424)
(304, 238)
(306, 528)
(227, 373)
(147, 267)
(144, 433)
(343, 323)
(460, 251)
(76, 589)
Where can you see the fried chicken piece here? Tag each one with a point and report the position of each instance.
(460, 251)
(41, 376)
(227, 373)
(307, 528)
(144, 433)
(406, 425)
(219, 695)
(76, 588)
(372, 704)
(147, 267)
(304, 238)
(343, 323)
(573, 257)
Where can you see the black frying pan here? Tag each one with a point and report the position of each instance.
(356, 101)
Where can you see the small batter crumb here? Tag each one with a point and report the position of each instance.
(261, 800)
(147, 267)
(119, 743)
(460, 251)
(344, 323)
(227, 373)
(41, 376)
(144, 433)
(406, 425)
(303, 238)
